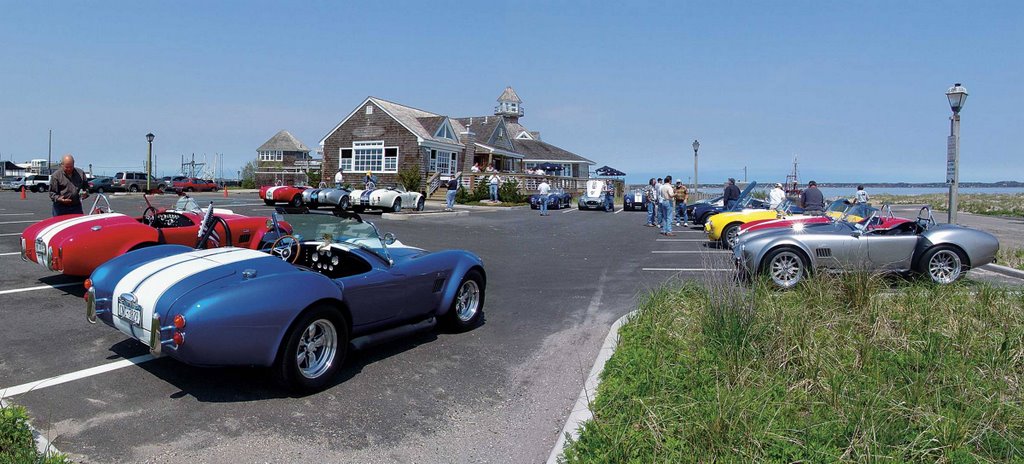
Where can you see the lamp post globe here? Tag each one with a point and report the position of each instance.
(696, 146)
(957, 96)
(149, 160)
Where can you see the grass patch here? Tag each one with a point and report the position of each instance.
(1013, 257)
(16, 442)
(839, 369)
(990, 204)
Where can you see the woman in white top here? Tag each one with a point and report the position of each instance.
(776, 197)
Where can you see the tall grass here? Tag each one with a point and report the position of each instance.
(1012, 257)
(977, 203)
(840, 369)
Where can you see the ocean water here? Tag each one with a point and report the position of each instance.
(834, 192)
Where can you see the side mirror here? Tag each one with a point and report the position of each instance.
(389, 238)
(855, 234)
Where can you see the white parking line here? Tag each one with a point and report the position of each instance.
(569, 211)
(8, 235)
(11, 253)
(690, 251)
(16, 214)
(681, 240)
(41, 287)
(619, 211)
(64, 378)
(17, 222)
(685, 269)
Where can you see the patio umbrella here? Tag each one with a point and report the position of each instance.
(609, 171)
(549, 167)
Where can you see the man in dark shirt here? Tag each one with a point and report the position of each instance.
(811, 200)
(732, 194)
(68, 187)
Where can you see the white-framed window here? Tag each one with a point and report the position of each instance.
(271, 155)
(444, 162)
(445, 131)
(368, 156)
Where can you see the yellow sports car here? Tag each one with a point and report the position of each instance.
(724, 227)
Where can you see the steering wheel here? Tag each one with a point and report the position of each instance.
(149, 216)
(287, 247)
(225, 241)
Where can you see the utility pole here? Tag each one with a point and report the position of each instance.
(49, 153)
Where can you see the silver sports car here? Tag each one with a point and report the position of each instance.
(942, 252)
(327, 196)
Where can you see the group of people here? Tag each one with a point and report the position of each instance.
(811, 199)
(666, 204)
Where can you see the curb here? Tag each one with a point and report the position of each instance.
(43, 446)
(581, 410)
(1004, 270)
(409, 216)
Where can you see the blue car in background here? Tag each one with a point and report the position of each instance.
(634, 200)
(557, 199)
(295, 306)
(701, 212)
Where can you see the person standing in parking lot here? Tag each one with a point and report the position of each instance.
(666, 196)
(542, 196)
(731, 194)
(338, 179)
(682, 196)
(453, 188)
(776, 196)
(812, 200)
(651, 195)
(68, 187)
(495, 180)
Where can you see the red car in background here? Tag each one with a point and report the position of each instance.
(76, 244)
(192, 184)
(290, 194)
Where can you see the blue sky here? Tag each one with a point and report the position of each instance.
(855, 89)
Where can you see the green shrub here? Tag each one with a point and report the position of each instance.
(410, 179)
(16, 442)
(508, 192)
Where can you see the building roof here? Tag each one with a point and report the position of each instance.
(532, 150)
(536, 150)
(509, 95)
(283, 141)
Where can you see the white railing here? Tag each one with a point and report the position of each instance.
(433, 183)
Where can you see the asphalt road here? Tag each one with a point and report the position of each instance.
(499, 393)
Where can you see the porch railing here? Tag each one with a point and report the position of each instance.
(528, 182)
(433, 183)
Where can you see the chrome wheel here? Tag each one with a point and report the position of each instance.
(944, 266)
(317, 348)
(786, 268)
(397, 207)
(467, 301)
(731, 233)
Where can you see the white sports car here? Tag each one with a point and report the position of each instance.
(389, 199)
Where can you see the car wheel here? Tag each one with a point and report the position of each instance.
(785, 266)
(134, 188)
(269, 202)
(188, 189)
(421, 205)
(99, 189)
(296, 201)
(943, 265)
(468, 306)
(730, 234)
(344, 203)
(313, 349)
(397, 207)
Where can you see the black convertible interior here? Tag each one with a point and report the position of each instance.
(332, 262)
(169, 220)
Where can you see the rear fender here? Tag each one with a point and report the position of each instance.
(236, 321)
(465, 263)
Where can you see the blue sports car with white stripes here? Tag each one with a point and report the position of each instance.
(294, 306)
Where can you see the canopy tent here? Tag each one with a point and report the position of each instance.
(609, 171)
(549, 167)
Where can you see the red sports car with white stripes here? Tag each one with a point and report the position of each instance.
(76, 244)
(290, 194)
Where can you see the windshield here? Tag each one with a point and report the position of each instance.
(347, 231)
(186, 203)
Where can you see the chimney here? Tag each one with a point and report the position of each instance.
(468, 138)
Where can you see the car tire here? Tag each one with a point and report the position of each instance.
(269, 202)
(785, 267)
(320, 336)
(133, 188)
(99, 190)
(421, 205)
(943, 264)
(296, 201)
(396, 206)
(730, 234)
(467, 308)
(189, 189)
(344, 204)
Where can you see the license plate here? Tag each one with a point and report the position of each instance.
(129, 311)
(638, 198)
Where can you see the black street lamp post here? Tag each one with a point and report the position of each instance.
(149, 160)
(696, 146)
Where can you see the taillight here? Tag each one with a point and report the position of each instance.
(179, 338)
(88, 284)
(179, 322)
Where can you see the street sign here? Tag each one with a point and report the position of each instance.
(950, 159)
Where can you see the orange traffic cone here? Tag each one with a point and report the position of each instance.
(22, 192)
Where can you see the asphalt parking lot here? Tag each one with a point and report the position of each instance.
(499, 393)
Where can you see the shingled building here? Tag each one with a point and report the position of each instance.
(284, 158)
(384, 138)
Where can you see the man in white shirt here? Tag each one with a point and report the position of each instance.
(665, 196)
(495, 180)
(542, 190)
(776, 196)
(337, 179)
